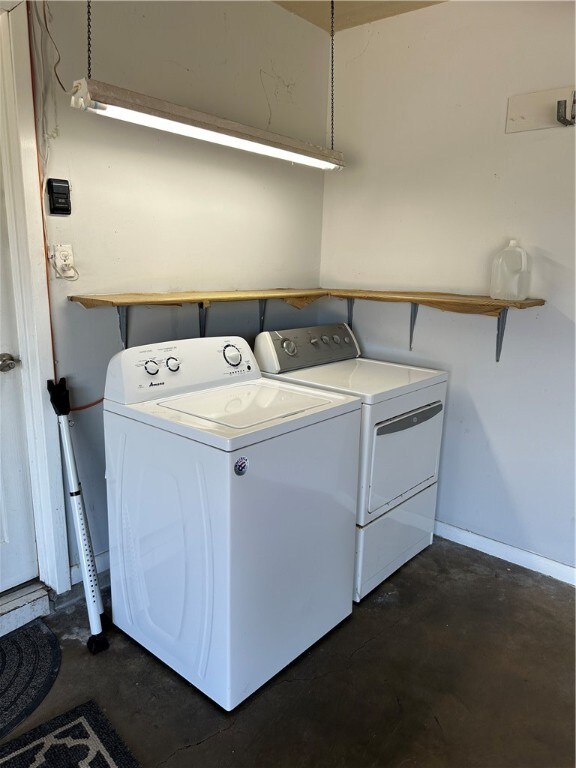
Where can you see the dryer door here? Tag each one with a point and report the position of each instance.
(405, 455)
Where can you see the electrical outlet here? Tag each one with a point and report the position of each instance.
(63, 260)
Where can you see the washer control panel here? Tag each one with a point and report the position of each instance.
(289, 350)
(171, 368)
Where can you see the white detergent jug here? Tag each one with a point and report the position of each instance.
(510, 273)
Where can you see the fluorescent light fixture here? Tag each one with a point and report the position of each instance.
(111, 101)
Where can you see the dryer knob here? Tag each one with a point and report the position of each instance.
(325, 339)
(151, 367)
(314, 340)
(336, 339)
(232, 355)
(289, 347)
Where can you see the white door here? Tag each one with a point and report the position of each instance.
(18, 559)
(24, 405)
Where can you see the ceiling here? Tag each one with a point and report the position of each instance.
(351, 13)
(7, 5)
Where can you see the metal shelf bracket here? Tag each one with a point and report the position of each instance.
(123, 316)
(262, 312)
(502, 315)
(350, 303)
(202, 317)
(413, 315)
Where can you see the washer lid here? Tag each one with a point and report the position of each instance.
(372, 380)
(238, 415)
(245, 405)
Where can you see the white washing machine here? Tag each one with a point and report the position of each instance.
(402, 415)
(231, 505)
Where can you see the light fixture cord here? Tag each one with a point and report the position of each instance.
(331, 74)
(89, 37)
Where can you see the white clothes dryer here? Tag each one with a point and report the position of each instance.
(231, 506)
(401, 432)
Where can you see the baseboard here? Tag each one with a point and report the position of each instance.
(102, 564)
(514, 555)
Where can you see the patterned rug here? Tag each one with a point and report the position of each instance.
(81, 738)
(29, 664)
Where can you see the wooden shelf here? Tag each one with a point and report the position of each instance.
(301, 297)
(295, 296)
(448, 302)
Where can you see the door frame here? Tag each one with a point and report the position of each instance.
(31, 298)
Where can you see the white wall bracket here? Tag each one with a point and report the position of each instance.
(561, 107)
(540, 110)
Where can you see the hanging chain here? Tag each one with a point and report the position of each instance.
(331, 74)
(89, 33)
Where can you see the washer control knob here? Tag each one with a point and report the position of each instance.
(151, 367)
(325, 339)
(314, 340)
(347, 339)
(173, 364)
(336, 339)
(232, 355)
(289, 347)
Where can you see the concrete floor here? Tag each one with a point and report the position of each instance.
(459, 659)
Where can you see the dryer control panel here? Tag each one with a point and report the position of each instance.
(170, 368)
(290, 350)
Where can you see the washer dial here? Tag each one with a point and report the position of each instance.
(232, 355)
(151, 367)
(173, 364)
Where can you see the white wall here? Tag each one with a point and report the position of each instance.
(433, 188)
(154, 212)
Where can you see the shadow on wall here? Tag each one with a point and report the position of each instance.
(551, 275)
(471, 478)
